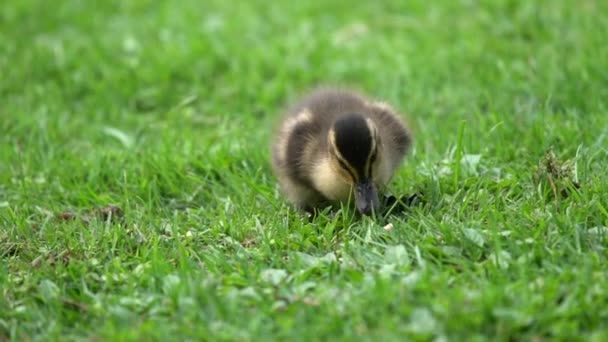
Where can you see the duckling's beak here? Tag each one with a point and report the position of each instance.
(366, 197)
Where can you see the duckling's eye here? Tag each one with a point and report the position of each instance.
(372, 159)
(345, 168)
(343, 165)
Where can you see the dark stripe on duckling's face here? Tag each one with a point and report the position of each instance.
(355, 146)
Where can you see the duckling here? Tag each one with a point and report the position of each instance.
(336, 145)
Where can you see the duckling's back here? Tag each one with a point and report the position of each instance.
(327, 104)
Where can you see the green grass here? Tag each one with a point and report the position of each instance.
(165, 109)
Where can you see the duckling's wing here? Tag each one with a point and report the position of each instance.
(299, 142)
(396, 135)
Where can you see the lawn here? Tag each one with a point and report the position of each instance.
(137, 200)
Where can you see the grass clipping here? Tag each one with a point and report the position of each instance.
(559, 176)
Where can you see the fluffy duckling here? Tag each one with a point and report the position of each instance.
(336, 145)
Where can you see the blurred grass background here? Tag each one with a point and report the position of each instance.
(166, 109)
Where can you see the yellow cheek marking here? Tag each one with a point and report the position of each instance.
(329, 182)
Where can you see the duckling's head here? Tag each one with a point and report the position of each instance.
(353, 149)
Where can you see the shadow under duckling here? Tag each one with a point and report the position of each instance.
(338, 146)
